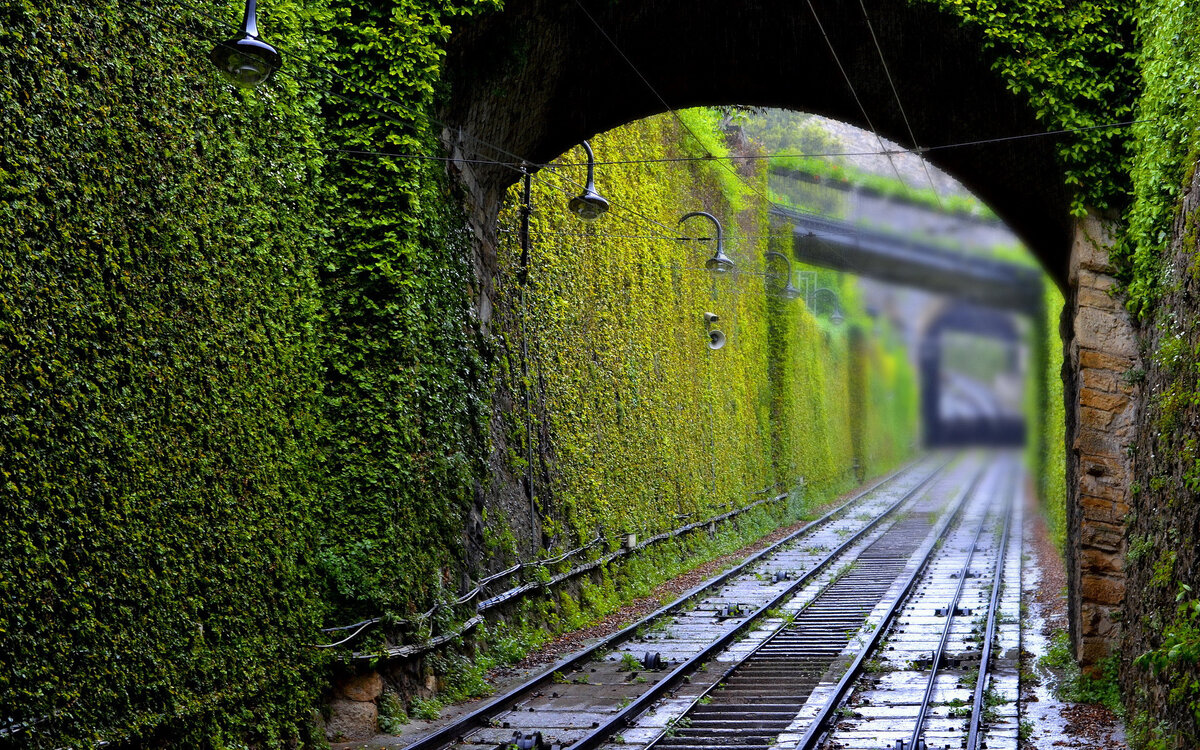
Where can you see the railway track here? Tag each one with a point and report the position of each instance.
(743, 660)
(949, 676)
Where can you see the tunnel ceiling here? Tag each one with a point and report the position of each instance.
(540, 77)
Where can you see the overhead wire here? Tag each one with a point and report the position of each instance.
(899, 104)
(519, 162)
(663, 101)
(748, 157)
(853, 92)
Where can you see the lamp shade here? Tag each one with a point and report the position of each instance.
(246, 60)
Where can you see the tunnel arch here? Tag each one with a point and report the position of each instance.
(963, 317)
(539, 77)
(535, 79)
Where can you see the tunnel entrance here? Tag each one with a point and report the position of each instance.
(971, 377)
(530, 82)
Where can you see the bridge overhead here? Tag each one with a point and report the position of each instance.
(842, 246)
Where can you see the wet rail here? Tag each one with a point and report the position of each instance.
(760, 697)
(942, 680)
(589, 696)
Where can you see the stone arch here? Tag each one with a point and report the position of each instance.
(979, 321)
(532, 81)
(539, 77)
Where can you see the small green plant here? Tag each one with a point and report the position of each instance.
(1076, 687)
(674, 725)
(392, 715)
(1024, 732)
(426, 709)
(629, 663)
(969, 678)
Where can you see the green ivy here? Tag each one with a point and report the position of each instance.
(1074, 62)
(158, 380)
(636, 422)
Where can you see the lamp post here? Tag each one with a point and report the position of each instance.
(789, 290)
(817, 297)
(246, 61)
(836, 317)
(719, 262)
(589, 205)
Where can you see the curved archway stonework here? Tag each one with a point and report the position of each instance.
(536, 79)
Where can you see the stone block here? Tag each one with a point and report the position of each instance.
(1093, 649)
(351, 720)
(1109, 402)
(1101, 466)
(1101, 563)
(1093, 442)
(1105, 331)
(1105, 488)
(1098, 509)
(1101, 360)
(1101, 589)
(1107, 537)
(1100, 282)
(1095, 419)
(1097, 298)
(1098, 380)
(366, 687)
(1090, 247)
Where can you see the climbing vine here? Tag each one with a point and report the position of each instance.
(636, 421)
(1075, 64)
(158, 380)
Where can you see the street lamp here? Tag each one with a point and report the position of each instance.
(246, 61)
(789, 291)
(720, 262)
(589, 205)
(836, 317)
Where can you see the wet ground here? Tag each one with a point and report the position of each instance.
(1047, 723)
(1050, 723)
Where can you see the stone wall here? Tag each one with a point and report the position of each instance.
(1101, 351)
(1163, 563)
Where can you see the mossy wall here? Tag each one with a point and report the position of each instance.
(635, 422)
(1160, 656)
(1045, 412)
(242, 392)
(159, 380)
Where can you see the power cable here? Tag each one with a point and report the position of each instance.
(663, 101)
(749, 157)
(853, 92)
(900, 105)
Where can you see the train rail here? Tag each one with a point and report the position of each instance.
(894, 596)
(629, 670)
(949, 676)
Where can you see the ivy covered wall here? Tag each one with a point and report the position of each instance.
(1161, 652)
(159, 380)
(635, 421)
(242, 392)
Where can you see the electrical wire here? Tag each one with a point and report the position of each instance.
(900, 105)
(853, 92)
(728, 167)
(750, 157)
